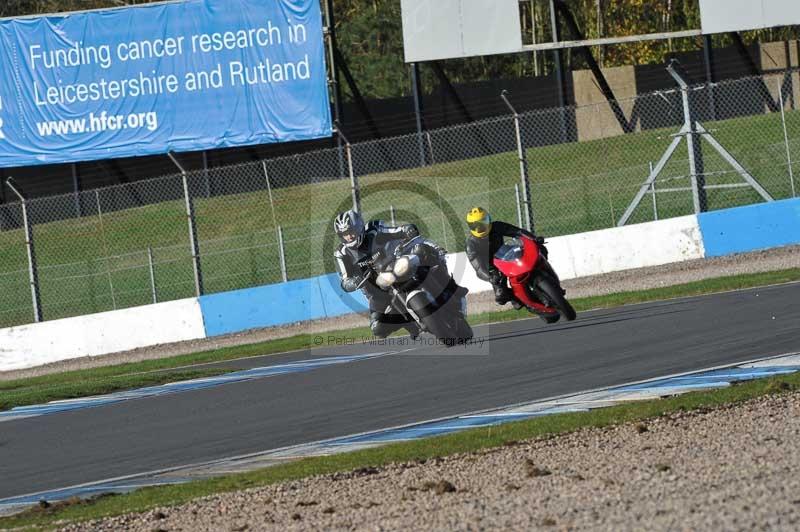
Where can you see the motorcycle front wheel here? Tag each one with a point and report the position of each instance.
(552, 291)
(446, 334)
(440, 322)
(464, 331)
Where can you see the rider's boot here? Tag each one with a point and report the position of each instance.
(517, 305)
(413, 330)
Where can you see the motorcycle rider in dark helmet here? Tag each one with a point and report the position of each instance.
(486, 237)
(359, 242)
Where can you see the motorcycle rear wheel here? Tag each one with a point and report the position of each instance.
(552, 291)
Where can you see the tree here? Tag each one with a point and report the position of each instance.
(369, 34)
(370, 37)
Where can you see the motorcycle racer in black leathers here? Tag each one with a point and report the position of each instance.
(359, 243)
(486, 237)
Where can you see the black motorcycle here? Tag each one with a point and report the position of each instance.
(422, 289)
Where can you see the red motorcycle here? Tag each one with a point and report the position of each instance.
(533, 280)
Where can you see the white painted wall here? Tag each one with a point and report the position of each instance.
(625, 248)
(635, 246)
(36, 344)
(608, 250)
(464, 274)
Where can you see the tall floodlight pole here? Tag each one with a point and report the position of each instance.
(333, 82)
(559, 65)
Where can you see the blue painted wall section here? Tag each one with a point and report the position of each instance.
(724, 232)
(743, 229)
(278, 304)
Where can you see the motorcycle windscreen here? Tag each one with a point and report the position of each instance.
(508, 259)
(515, 258)
(509, 252)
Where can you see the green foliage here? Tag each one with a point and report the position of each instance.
(370, 37)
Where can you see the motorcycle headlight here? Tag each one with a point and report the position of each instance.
(386, 279)
(402, 266)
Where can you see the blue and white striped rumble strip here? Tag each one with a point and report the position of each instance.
(673, 385)
(178, 387)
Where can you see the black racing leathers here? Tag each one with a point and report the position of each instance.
(480, 252)
(352, 267)
(350, 262)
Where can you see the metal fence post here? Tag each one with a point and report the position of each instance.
(392, 216)
(105, 247)
(33, 272)
(653, 191)
(282, 255)
(198, 272)
(206, 177)
(786, 138)
(430, 146)
(152, 268)
(441, 210)
(269, 192)
(416, 91)
(523, 165)
(354, 188)
(696, 167)
(519, 205)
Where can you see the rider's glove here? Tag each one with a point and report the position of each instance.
(410, 231)
(543, 247)
(351, 284)
(423, 252)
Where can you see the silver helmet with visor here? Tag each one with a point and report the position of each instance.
(350, 228)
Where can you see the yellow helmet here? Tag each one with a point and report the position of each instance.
(479, 222)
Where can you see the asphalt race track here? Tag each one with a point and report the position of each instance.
(518, 361)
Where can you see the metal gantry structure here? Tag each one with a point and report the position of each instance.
(560, 12)
(693, 133)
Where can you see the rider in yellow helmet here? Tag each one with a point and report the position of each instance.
(486, 237)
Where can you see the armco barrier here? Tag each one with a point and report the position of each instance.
(625, 248)
(96, 334)
(637, 246)
(743, 229)
(277, 304)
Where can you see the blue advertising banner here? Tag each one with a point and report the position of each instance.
(179, 76)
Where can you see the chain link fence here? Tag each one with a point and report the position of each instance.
(270, 221)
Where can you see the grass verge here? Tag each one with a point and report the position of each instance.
(463, 442)
(36, 391)
(82, 383)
